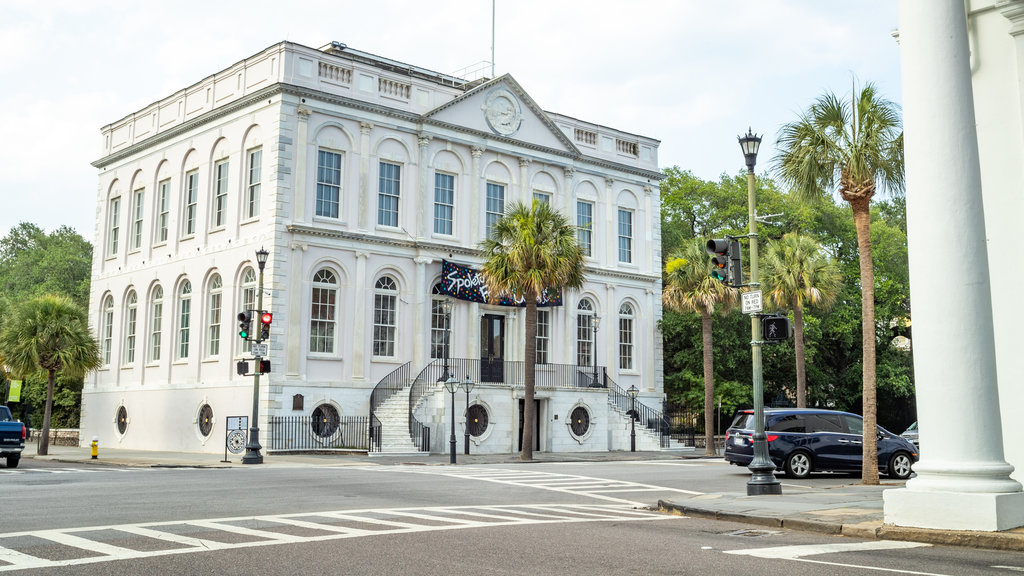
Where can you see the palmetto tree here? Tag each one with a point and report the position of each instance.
(532, 248)
(689, 287)
(857, 145)
(798, 275)
(49, 333)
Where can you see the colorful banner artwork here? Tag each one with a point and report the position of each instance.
(465, 283)
(14, 394)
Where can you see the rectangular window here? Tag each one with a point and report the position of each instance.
(252, 188)
(213, 329)
(387, 198)
(625, 236)
(542, 197)
(444, 203)
(163, 210)
(191, 197)
(129, 338)
(220, 194)
(585, 226)
(137, 198)
(625, 343)
(543, 335)
(328, 184)
(439, 329)
(183, 328)
(154, 335)
(495, 205)
(321, 330)
(115, 227)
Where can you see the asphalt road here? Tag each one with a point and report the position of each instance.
(551, 518)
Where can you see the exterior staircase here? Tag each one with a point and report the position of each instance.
(393, 414)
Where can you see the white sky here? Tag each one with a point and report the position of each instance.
(691, 73)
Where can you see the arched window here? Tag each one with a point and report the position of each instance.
(626, 336)
(385, 312)
(248, 299)
(130, 317)
(107, 328)
(156, 313)
(440, 325)
(323, 318)
(585, 332)
(213, 312)
(184, 318)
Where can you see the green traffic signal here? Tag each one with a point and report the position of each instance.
(244, 324)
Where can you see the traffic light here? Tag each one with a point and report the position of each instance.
(776, 328)
(735, 263)
(265, 319)
(264, 366)
(245, 325)
(719, 248)
(242, 367)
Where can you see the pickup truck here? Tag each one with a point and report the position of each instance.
(12, 438)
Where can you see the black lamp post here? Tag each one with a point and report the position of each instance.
(762, 470)
(468, 385)
(446, 307)
(252, 447)
(632, 417)
(594, 323)
(451, 385)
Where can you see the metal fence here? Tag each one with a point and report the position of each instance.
(303, 434)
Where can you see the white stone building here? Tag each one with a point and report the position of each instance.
(360, 175)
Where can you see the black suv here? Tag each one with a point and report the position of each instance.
(801, 441)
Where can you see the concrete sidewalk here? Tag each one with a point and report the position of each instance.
(850, 510)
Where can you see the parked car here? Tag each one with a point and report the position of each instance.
(801, 441)
(12, 438)
(911, 434)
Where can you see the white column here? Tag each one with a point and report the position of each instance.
(611, 226)
(525, 188)
(299, 193)
(293, 345)
(474, 229)
(364, 176)
(360, 294)
(424, 198)
(963, 481)
(421, 311)
(646, 329)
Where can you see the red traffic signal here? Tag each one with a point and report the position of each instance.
(266, 317)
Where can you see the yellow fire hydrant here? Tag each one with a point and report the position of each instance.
(95, 447)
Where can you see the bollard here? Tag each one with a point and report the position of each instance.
(95, 447)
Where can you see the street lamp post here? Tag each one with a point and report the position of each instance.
(594, 323)
(468, 385)
(451, 385)
(252, 447)
(762, 470)
(632, 417)
(446, 307)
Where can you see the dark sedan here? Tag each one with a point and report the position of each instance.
(801, 441)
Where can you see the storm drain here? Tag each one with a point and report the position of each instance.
(746, 533)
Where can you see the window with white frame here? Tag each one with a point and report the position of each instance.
(543, 335)
(495, 205)
(323, 318)
(156, 315)
(626, 336)
(253, 183)
(163, 210)
(107, 328)
(213, 316)
(130, 317)
(184, 318)
(114, 225)
(440, 325)
(625, 235)
(585, 226)
(248, 299)
(585, 332)
(328, 184)
(542, 197)
(444, 203)
(188, 222)
(220, 194)
(385, 312)
(137, 198)
(390, 186)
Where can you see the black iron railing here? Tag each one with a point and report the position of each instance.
(650, 418)
(388, 386)
(303, 433)
(508, 373)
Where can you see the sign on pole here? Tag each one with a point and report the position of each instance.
(751, 302)
(259, 349)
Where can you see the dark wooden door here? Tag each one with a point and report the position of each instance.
(492, 348)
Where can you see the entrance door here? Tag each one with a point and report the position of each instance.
(536, 424)
(492, 348)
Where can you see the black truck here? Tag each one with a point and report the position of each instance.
(12, 438)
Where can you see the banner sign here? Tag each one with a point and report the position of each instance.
(14, 393)
(465, 283)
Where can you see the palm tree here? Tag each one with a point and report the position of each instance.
(533, 248)
(799, 275)
(689, 287)
(857, 144)
(49, 333)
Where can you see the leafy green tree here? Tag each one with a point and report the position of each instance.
(532, 249)
(798, 275)
(857, 145)
(690, 287)
(33, 263)
(49, 333)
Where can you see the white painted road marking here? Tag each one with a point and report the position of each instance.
(799, 553)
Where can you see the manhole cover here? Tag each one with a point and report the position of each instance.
(753, 533)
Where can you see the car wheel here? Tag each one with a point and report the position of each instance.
(899, 466)
(798, 465)
(12, 461)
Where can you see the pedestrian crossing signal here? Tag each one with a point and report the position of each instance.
(776, 328)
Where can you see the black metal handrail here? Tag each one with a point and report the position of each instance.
(506, 373)
(653, 420)
(302, 433)
(388, 386)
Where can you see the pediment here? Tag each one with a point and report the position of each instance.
(501, 109)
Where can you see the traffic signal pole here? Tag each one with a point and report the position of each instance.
(252, 448)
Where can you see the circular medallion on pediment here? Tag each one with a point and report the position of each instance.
(503, 113)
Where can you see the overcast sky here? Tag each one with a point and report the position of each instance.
(692, 74)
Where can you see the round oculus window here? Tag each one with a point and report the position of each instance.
(122, 419)
(579, 421)
(478, 420)
(325, 420)
(205, 420)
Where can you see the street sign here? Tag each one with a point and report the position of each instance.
(751, 302)
(259, 349)
(237, 422)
